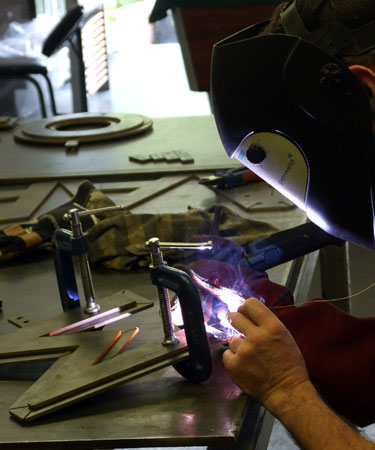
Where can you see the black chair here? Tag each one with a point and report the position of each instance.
(66, 32)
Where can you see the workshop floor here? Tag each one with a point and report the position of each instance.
(151, 80)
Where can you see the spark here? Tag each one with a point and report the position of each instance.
(232, 299)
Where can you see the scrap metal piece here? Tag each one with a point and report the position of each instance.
(157, 157)
(72, 145)
(185, 157)
(7, 122)
(140, 158)
(170, 157)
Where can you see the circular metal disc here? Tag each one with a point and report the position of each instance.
(96, 127)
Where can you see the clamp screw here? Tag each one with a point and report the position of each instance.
(153, 245)
(91, 306)
(331, 76)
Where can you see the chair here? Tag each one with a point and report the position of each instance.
(66, 32)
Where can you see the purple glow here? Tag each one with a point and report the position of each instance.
(217, 302)
(317, 218)
(232, 299)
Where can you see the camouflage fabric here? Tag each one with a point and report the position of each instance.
(17, 241)
(118, 242)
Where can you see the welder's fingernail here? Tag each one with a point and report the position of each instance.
(229, 317)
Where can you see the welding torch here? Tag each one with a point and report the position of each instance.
(230, 178)
(286, 245)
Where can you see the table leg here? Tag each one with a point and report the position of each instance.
(255, 431)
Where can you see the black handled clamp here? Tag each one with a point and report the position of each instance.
(198, 368)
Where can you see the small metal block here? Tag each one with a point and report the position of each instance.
(157, 157)
(7, 122)
(185, 157)
(72, 145)
(140, 158)
(171, 156)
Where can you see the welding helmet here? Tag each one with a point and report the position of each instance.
(289, 110)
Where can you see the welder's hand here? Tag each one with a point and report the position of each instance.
(264, 360)
(337, 349)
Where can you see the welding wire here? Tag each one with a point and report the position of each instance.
(332, 300)
(107, 349)
(133, 335)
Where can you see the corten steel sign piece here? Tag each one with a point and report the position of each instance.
(87, 363)
(60, 336)
(92, 362)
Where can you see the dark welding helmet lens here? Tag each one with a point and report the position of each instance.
(300, 119)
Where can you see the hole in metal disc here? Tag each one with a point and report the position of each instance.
(81, 125)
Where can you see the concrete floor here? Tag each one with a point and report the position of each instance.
(151, 80)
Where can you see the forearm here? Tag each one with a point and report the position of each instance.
(313, 424)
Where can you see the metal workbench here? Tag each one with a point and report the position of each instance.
(161, 409)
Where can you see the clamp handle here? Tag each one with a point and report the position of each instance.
(199, 367)
(64, 245)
